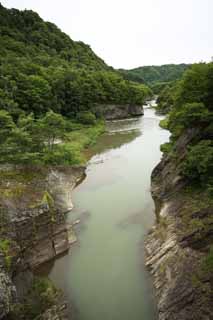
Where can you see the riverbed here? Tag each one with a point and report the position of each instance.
(103, 276)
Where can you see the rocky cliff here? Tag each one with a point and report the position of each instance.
(178, 246)
(116, 112)
(33, 229)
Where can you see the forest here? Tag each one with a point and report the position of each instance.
(46, 79)
(157, 77)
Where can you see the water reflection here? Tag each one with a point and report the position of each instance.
(111, 141)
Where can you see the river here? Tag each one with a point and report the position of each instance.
(103, 276)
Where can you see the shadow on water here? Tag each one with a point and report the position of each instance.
(112, 140)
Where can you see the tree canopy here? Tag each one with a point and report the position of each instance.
(191, 108)
(157, 77)
(41, 68)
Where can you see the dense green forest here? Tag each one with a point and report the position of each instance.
(155, 76)
(190, 102)
(45, 76)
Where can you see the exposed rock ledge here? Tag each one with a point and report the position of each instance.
(116, 112)
(176, 246)
(33, 203)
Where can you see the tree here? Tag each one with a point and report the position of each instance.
(6, 125)
(51, 127)
(198, 165)
(189, 115)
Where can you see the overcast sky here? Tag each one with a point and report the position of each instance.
(132, 33)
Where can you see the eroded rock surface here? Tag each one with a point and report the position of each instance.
(177, 245)
(116, 112)
(33, 229)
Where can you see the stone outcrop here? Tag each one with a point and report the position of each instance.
(116, 112)
(8, 293)
(177, 245)
(33, 204)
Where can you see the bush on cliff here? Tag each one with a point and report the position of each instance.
(198, 163)
(192, 109)
(188, 116)
(39, 298)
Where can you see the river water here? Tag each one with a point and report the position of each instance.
(103, 276)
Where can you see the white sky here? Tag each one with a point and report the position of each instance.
(132, 33)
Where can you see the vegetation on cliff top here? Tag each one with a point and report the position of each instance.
(189, 104)
(50, 139)
(192, 109)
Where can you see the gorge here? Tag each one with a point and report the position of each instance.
(106, 194)
(103, 276)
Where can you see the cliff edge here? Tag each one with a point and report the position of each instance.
(178, 248)
(33, 228)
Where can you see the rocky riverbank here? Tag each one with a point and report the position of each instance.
(116, 112)
(178, 247)
(33, 204)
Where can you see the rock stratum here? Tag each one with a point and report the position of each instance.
(33, 228)
(117, 112)
(177, 246)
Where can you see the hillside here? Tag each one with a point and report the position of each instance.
(24, 33)
(155, 76)
(42, 68)
(47, 80)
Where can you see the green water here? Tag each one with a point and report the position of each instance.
(103, 276)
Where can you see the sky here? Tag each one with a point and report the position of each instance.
(132, 33)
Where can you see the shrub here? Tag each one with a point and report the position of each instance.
(5, 248)
(166, 147)
(198, 164)
(63, 155)
(39, 298)
(87, 118)
(189, 115)
(164, 123)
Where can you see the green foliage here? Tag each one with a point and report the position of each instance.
(45, 79)
(166, 147)
(194, 85)
(188, 116)
(208, 262)
(191, 108)
(87, 118)
(52, 126)
(6, 125)
(64, 154)
(158, 87)
(5, 248)
(155, 74)
(48, 140)
(47, 199)
(167, 97)
(198, 164)
(164, 123)
(41, 68)
(40, 297)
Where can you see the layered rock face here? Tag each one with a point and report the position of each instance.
(8, 293)
(177, 246)
(116, 112)
(33, 203)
